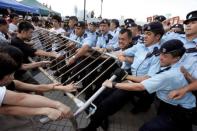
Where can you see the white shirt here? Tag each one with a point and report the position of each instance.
(58, 31)
(12, 28)
(3, 40)
(2, 94)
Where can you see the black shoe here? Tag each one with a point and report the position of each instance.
(105, 124)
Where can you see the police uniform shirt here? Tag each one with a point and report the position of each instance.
(71, 34)
(26, 49)
(2, 94)
(167, 81)
(85, 39)
(172, 35)
(140, 65)
(3, 40)
(187, 44)
(191, 44)
(115, 33)
(106, 40)
(189, 63)
(94, 36)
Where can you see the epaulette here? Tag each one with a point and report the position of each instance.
(85, 35)
(109, 36)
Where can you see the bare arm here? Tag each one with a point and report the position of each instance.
(44, 53)
(27, 100)
(34, 65)
(125, 86)
(81, 52)
(31, 87)
(34, 101)
(123, 58)
(27, 111)
(44, 87)
(22, 111)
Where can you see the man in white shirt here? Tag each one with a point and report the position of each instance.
(57, 25)
(14, 18)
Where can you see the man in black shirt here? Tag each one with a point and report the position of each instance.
(25, 30)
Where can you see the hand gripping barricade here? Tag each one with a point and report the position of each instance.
(90, 71)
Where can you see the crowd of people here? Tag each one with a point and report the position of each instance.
(159, 58)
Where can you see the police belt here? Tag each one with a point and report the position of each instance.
(175, 108)
(191, 50)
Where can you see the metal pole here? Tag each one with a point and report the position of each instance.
(101, 8)
(84, 13)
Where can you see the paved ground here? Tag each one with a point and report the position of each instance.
(121, 121)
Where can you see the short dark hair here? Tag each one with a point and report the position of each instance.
(35, 19)
(139, 27)
(7, 65)
(116, 22)
(3, 21)
(14, 52)
(13, 15)
(129, 33)
(73, 18)
(25, 26)
(58, 18)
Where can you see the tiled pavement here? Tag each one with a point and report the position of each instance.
(121, 121)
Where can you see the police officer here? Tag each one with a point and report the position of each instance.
(178, 28)
(114, 28)
(124, 42)
(105, 38)
(128, 21)
(159, 18)
(148, 65)
(173, 115)
(135, 32)
(189, 38)
(191, 42)
(92, 31)
(153, 34)
(71, 23)
(85, 42)
(144, 65)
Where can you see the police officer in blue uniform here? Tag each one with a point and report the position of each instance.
(71, 23)
(189, 38)
(159, 18)
(136, 33)
(92, 31)
(105, 38)
(128, 21)
(177, 28)
(144, 65)
(143, 60)
(85, 42)
(191, 35)
(173, 115)
(114, 28)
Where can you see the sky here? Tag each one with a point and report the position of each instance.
(138, 9)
